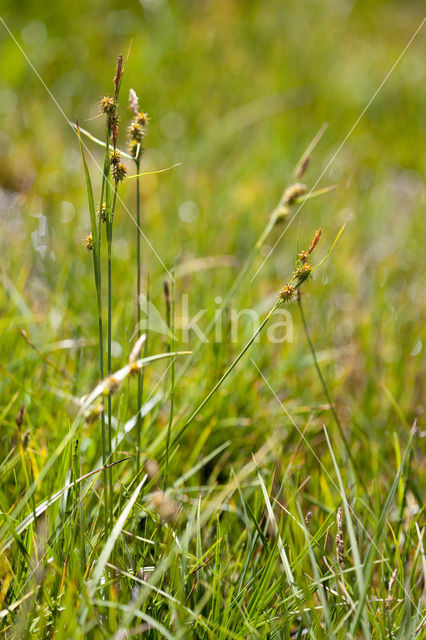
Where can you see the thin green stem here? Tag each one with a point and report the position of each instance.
(101, 340)
(96, 242)
(138, 305)
(171, 324)
(145, 349)
(109, 227)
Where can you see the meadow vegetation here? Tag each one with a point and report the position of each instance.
(211, 320)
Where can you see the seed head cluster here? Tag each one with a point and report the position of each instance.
(137, 128)
(106, 105)
(302, 271)
(101, 211)
(88, 242)
(288, 198)
(293, 192)
(119, 169)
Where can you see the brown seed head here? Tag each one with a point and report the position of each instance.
(20, 417)
(118, 74)
(315, 241)
(303, 166)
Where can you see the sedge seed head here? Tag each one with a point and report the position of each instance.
(88, 242)
(287, 293)
(303, 256)
(315, 241)
(106, 105)
(136, 131)
(294, 191)
(303, 271)
(134, 368)
(101, 211)
(119, 171)
(115, 157)
(280, 213)
(113, 124)
(142, 119)
(111, 386)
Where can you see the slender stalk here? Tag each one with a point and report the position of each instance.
(138, 305)
(97, 275)
(101, 373)
(171, 325)
(145, 354)
(109, 227)
(101, 341)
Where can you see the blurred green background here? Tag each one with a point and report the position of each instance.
(235, 91)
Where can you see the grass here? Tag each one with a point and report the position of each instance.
(237, 488)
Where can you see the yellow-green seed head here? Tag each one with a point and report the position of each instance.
(115, 157)
(141, 118)
(87, 242)
(287, 293)
(119, 171)
(303, 271)
(136, 131)
(106, 104)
